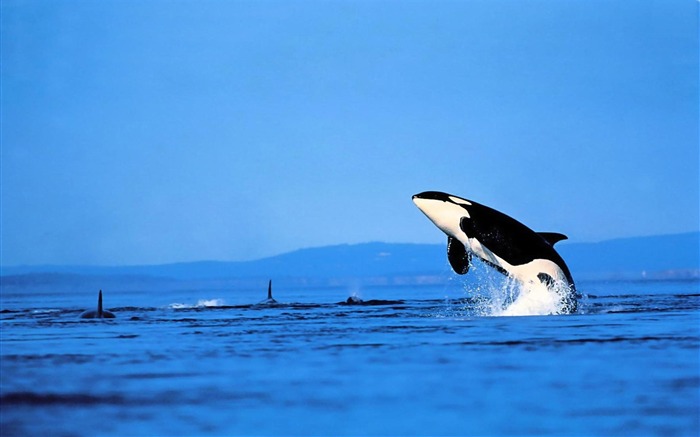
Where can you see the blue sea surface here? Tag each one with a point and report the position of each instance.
(411, 361)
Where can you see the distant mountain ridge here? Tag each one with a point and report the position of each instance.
(338, 260)
(667, 256)
(638, 257)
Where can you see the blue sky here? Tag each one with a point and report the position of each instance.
(162, 131)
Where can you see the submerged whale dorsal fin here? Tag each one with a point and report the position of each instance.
(458, 256)
(99, 313)
(270, 300)
(552, 237)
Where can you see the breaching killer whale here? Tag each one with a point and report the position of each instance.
(99, 313)
(499, 240)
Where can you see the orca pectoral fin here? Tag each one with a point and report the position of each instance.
(458, 256)
(552, 237)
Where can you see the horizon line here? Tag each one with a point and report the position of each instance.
(201, 261)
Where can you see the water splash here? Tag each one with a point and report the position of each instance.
(537, 299)
(493, 294)
(201, 303)
(210, 303)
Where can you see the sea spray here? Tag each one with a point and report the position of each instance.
(493, 294)
(201, 303)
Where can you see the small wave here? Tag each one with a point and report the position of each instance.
(47, 311)
(31, 398)
(131, 308)
(210, 303)
(352, 346)
(6, 311)
(56, 359)
(541, 342)
(201, 303)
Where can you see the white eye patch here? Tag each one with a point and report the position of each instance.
(459, 201)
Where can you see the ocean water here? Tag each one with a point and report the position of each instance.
(410, 361)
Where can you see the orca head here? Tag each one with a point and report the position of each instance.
(445, 211)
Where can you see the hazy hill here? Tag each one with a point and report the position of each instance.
(657, 257)
(660, 256)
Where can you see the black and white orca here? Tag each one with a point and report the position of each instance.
(499, 240)
(270, 300)
(99, 313)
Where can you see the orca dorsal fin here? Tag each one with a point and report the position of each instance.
(552, 237)
(458, 256)
(269, 289)
(99, 304)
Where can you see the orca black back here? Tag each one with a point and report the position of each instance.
(511, 240)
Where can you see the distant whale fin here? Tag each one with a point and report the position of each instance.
(458, 256)
(269, 289)
(100, 313)
(552, 237)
